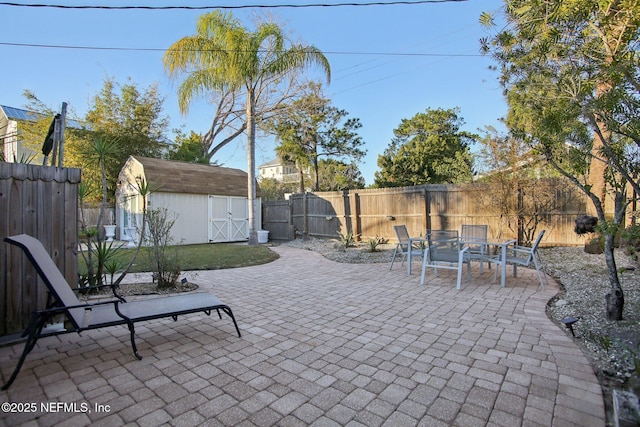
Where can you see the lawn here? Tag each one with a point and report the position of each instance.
(197, 257)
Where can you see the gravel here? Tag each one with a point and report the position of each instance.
(612, 346)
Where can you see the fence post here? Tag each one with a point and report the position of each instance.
(426, 222)
(305, 215)
(356, 217)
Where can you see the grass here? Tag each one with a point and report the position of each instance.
(198, 257)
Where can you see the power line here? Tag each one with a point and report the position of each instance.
(253, 6)
(143, 49)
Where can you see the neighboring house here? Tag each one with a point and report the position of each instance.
(210, 203)
(14, 147)
(279, 170)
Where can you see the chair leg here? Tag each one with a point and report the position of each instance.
(132, 333)
(393, 257)
(230, 314)
(539, 270)
(424, 269)
(35, 330)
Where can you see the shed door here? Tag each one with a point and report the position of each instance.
(238, 218)
(228, 219)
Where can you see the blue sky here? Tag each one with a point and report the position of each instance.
(440, 66)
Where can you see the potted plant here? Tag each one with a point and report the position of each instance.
(588, 225)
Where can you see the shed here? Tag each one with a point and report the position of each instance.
(209, 203)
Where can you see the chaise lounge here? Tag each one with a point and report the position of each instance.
(85, 316)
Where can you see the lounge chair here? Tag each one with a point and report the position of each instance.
(83, 316)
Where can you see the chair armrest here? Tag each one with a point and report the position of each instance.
(88, 306)
(112, 286)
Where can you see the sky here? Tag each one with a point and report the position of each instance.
(388, 62)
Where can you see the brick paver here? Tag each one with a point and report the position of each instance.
(323, 343)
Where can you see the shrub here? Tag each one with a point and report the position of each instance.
(630, 238)
(375, 242)
(347, 240)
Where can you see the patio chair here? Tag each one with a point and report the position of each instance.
(83, 316)
(444, 250)
(403, 245)
(477, 252)
(524, 256)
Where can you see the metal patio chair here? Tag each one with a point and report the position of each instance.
(471, 234)
(403, 245)
(445, 250)
(525, 256)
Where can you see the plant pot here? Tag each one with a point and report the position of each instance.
(110, 232)
(593, 248)
(133, 238)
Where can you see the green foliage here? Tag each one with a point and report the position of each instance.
(99, 258)
(374, 242)
(631, 239)
(312, 128)
(201, 257)
(336, 175)
(273, 189)
(347, 240)
(130, 120)
(189, 149)
(429, 148)
(570, 72)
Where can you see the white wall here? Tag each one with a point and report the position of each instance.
(191, 226)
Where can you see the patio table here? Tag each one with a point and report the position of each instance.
(497, 256)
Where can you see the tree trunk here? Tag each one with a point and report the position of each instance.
(251, 167)
(615, 299)
(615, 304)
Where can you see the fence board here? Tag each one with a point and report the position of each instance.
(372, 213)
(40, 201)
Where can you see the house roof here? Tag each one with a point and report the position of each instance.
(19, 114)
(181, 177)
(274, 162)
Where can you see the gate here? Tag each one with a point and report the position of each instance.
(277, 219)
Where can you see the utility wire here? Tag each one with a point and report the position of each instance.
(253, 6)
(142, 49)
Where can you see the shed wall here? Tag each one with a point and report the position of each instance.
(191, 226)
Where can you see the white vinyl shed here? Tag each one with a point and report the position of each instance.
(209, 202)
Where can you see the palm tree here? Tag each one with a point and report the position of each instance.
(223, 56)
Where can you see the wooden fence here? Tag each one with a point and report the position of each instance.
(373, 212)
(43, 202)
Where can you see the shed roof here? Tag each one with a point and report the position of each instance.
(181, 177)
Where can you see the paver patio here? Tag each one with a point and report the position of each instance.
(323, 344)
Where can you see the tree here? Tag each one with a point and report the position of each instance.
(274, 189)
(223, 57)
(131, 120)
(523, 188)
(570, 73)
(429, 148)
(336, 175)
(189, 149)
(312, 129)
